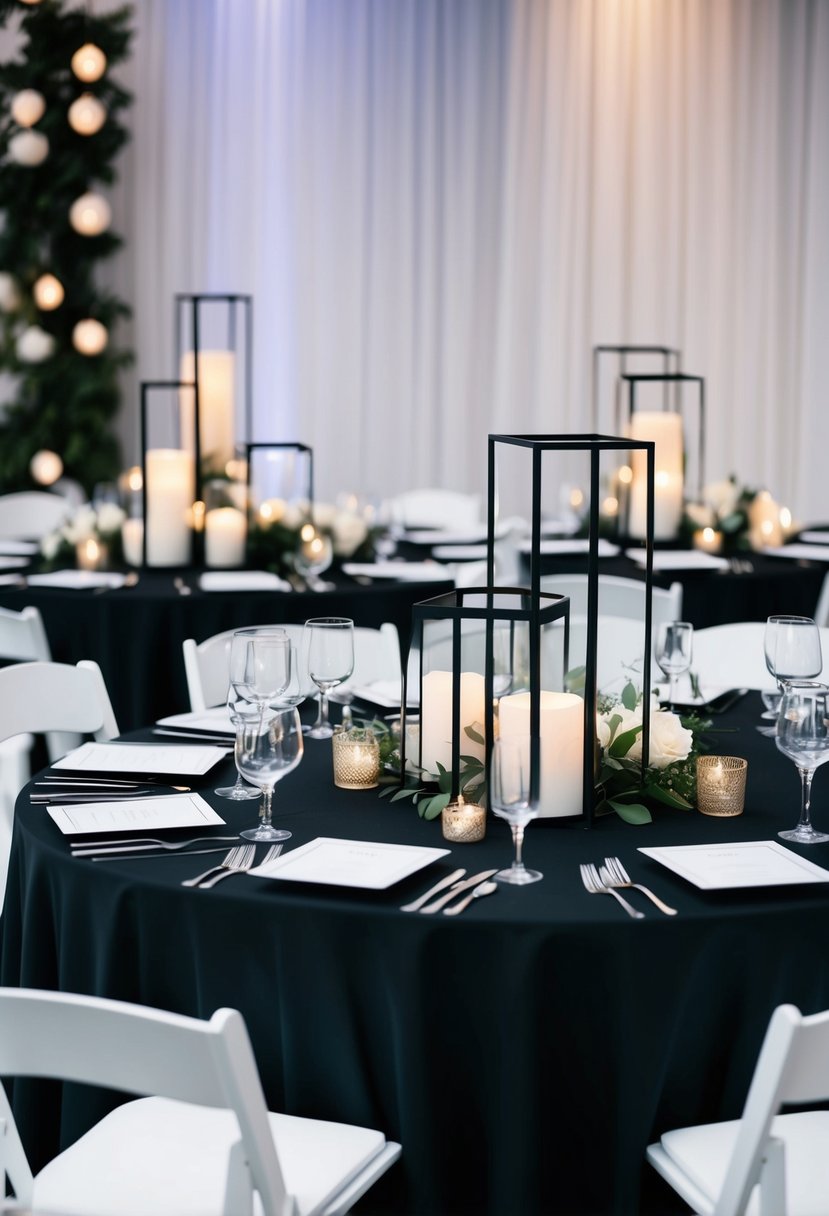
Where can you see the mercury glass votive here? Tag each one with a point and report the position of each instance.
(91, 554)
(356, 759)
(463, 822)
(721, 785)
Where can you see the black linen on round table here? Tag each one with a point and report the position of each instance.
(524, 1053)
(135, 634)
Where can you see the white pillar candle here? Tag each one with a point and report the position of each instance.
(665, 431)
(764, 522)
(217, 424)
(132, 541)
(170, 490)
(436, 717)
(561, 736)
(224, 537)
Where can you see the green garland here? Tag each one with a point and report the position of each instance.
(67, 402)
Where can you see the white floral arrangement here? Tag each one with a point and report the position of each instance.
(670, 777)
(102, 524)
(277, 528)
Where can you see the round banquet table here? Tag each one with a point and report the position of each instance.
(135, 633)
(524, 1053)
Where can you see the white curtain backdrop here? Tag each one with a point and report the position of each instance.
(441, 206)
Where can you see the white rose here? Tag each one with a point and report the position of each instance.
(629, 719)
(670, 741)
(324, 514)
(110, 517)
(349, 533)
(721, 497)
(81, 526)
(293, 517)
(700, 515)
(50, 544)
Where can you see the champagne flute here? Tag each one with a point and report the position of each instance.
(673, 650)
(268, 747)
(803, 736)
(329, 650)
(511, 799)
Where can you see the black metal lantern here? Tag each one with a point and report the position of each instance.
(479, 657)
(530, 452)
(668, 355)
(171, 510)
(214, 352)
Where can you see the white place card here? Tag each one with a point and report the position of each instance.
(216, 720)
(812, 553)
(556, 548)
(78, 580)
(135, 815)
(186, 759)
(748, 863)
(414, 572)
(679, 559)
(350, 863)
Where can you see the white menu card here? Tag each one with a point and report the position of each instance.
(136, 815)
(185, 759)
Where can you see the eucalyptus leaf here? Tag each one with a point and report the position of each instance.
(622, 744)
(629, 696)
(474, 735)
(430, 808)
(631, 812)
(669, 797)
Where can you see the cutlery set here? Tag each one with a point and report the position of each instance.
(237, 860)
(457, 885)
(608, 878)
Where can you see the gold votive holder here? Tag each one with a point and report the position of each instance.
(463, 822)
(91, 554)
(708, 540)
(356, 759)
(721, 785)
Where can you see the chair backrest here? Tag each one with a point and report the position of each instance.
(207, 664)
(822, 610)
(793, 1068)
(38, 698)
(433, 508)
(618, 596)
(31, 514)
(619, 653)
(22, 635)
(140, 1051)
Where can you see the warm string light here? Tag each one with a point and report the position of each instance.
(89, 337)
(90, 215)
(87, 114)
(89, 63)
(46, 467)
(28, 107)
(48, 292)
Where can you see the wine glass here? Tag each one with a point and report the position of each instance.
(329, 653)
(792, 648)
(260, 665)
(803, 736)
(242, 702)
(673, 649)
(268, 747)
(511, 798)
(314, 554)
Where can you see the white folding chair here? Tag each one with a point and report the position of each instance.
(44, 698)
(618, 596)
(202, 1144)
(31, 514)
(822, 610)
(716, 1167)
(434, 508)
(22, 637)
(206, 664)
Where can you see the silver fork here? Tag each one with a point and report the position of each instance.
(236, 861)
(135, 844)
(614, 874)
(594, 884)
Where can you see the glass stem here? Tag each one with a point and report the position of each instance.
(322, 713)
(806, 775)
(265, 809)
(518, 841)
(671, 687)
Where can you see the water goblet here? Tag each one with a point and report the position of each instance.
(239, 791)
(792, 648)
(511, 798)
(260, 664)
(268, 747)
(329, 654)
(672, 652)
(803, 736)
(314, 554)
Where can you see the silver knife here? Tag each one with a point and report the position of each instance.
(417, 904)
(437, 904)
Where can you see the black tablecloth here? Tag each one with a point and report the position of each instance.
(524, 1054)
(135, 634)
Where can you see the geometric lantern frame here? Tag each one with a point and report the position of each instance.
(296, 448)
(668, 354)
(677, 379)
(595, 446)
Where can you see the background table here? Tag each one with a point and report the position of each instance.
(524, 1054)
(135, 634)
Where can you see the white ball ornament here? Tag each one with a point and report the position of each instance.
(48, 292)
(9, 292)
(28, 107)
(89, 337)
(28, 148)
(45, 467)
(34, 345)
(90, 214)
(87, 114)
(89, 62)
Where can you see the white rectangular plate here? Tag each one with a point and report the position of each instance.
(242, 580)
(13, 563)
(554, 548)
(186, 760)
(78, 580)
(679, 559)
(350, 863)
(406, 572)
(731, 867)
(813, 553)
(21, 548)
(135, 815)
